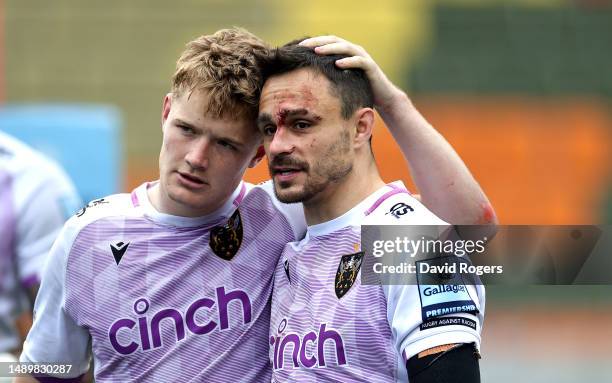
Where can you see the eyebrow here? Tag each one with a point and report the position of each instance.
(178, 121)
(232, 141)
(265, 118)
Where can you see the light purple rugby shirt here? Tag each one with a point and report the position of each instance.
(367, 334)
(171, 310)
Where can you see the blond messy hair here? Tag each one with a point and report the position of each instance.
(225, 65)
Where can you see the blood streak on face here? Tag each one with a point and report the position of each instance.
(303, 99)
(280, 117)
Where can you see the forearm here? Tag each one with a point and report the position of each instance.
(444, 182)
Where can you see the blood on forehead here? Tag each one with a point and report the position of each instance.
(297, 94)
(280, 115)
(290, 103)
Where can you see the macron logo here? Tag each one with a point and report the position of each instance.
(118, 250)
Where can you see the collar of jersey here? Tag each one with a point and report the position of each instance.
(353, 217)
(173, 220)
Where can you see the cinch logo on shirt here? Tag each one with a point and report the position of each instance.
(149, 332)
(300, 343)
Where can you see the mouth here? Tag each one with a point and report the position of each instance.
(284, 170)
(190, 180)
(284, 174)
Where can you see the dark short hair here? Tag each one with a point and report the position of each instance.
(351, 86)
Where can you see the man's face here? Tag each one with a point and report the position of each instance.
(202, 159)
(308, 143)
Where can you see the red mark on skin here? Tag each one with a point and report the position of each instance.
(307, 97)
(488, 214)
(302, 99)
(284, 95)
(280, 115)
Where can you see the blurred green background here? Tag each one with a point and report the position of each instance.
(522, 89)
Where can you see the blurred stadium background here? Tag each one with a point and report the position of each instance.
(521, 89)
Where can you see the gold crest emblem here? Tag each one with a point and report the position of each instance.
(225, 240)
(348, 269)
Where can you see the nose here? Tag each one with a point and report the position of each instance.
(280, 143)
(198, 155)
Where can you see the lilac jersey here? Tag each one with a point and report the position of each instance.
(160, 298)
(323, 331)
(36, 198)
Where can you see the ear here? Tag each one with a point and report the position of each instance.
(258, 156)
(364, 125)
(166, 106)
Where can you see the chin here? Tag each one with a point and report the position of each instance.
(187, 198)
(290, 198)
(290, 195)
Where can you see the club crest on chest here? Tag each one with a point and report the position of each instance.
(225, 240)
(347, 272)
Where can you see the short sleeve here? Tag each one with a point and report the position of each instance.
(425, 316)
(55, 336)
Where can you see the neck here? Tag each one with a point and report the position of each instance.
(343, 195)
(160, 200)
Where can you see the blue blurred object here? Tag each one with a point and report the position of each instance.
(85, 139)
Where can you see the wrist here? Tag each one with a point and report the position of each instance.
(396, 106)
(396, 101)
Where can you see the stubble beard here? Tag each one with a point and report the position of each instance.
(332, 167)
